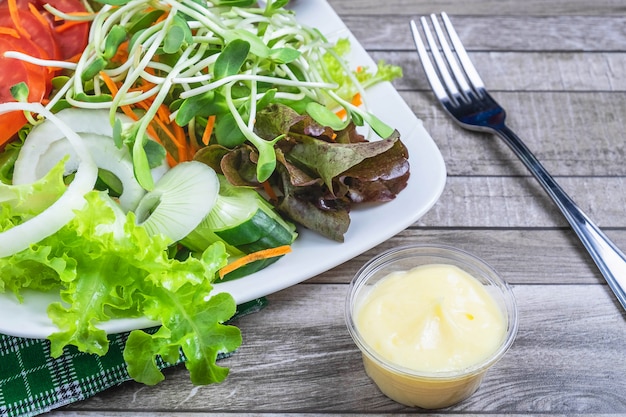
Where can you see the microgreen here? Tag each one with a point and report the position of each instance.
(201, 105)
(178, 35)
(112, 41)
(93, 68)
(227, 61)
(324, 116)
(230, 61)
(20, 91)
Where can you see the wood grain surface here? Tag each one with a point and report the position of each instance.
(559, 68)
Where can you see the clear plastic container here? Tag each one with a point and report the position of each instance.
(431, 389)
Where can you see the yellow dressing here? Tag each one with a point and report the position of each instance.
(433, 318)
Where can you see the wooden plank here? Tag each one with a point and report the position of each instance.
(512, 202)
(478, 8)
(389, 31)
(521, 256)
(526, 71)
(573, 134)
(298, 357)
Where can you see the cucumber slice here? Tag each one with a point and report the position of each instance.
(243, 220)
(258, 232)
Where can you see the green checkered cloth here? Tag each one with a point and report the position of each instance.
(32, 382)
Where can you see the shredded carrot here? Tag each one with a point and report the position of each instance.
(254, 256)
(128, 111)
(68, 24)
(37, 14)
(15, 17)
(356, 100)
(267, 187)
(122, 53)
(161, 18)
(163, 114)
(162, 122)
(74, 58)
(206, 136)
(145, 105)
(191, 146)
(174, 133)
(178, 140)
(113, 89)
(108, 82)
(9, 31)
(170, 159)
(145, 85)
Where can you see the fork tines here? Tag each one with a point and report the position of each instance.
(453, 75)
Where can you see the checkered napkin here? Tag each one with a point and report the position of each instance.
(32, 382)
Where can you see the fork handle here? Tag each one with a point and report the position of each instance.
(609, 259)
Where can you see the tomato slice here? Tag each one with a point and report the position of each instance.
(21, 4)
(39, 32)
(15, 71)
(49, 39)
(72, 37)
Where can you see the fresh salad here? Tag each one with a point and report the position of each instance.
(151, 147)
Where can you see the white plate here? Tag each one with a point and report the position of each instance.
(311, 254)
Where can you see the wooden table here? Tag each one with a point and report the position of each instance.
(560, 70)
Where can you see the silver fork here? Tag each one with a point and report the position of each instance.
(460, 90)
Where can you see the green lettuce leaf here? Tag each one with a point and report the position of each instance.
(38, 268)
(21, 202)
(191, 323)
(107, 267)
(7, 160)
(366, 76)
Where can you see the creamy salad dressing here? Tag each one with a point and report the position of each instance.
(433, 318)
(439, 324)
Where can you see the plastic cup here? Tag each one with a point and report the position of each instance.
(411, 387)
